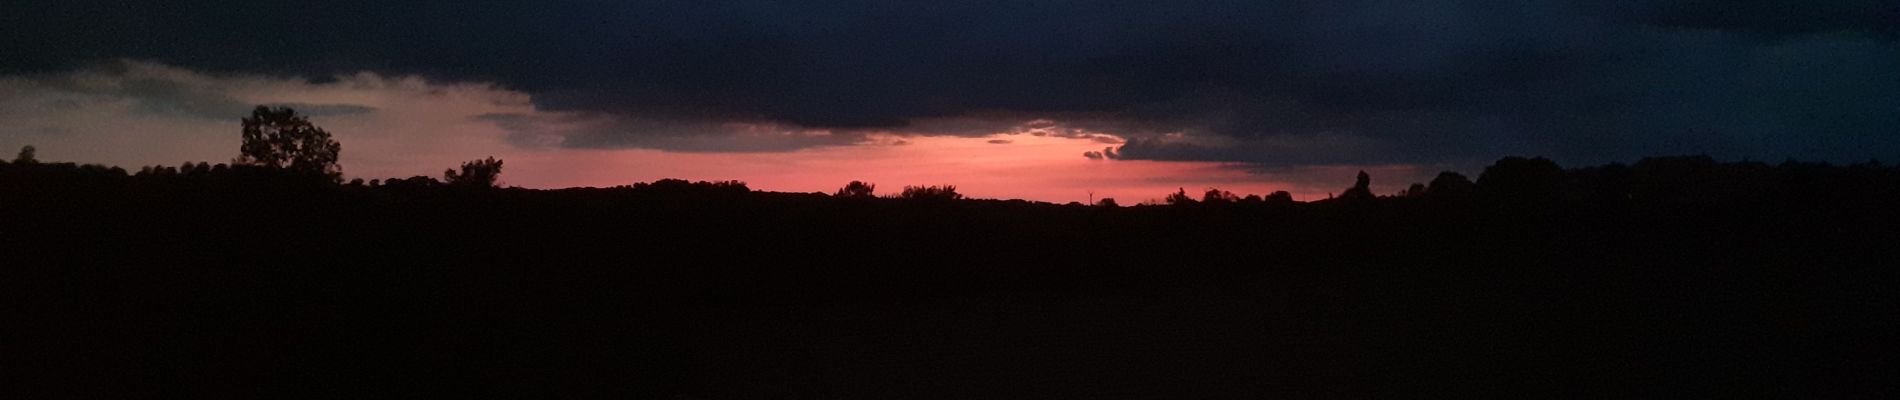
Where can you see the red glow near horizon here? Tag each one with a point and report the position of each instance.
(410, 126)
(1029, 167)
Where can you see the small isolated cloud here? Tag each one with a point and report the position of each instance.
(1001, 141)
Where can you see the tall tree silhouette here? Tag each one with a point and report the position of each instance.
(477, 173)
(276, 137)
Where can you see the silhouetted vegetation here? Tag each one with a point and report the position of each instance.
(27, 156)
(278, 138)
(931, 193)
(857, 189)
(1669, 277)
(1219, 196)
(1450, 185)
(478, 173)
(1361, 189)
(1180, 198)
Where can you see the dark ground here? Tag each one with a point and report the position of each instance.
(1698, 281)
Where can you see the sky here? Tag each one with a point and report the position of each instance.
(1043, 100)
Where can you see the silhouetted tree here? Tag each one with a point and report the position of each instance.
(417, 181)
(1416, 190)
(1361, 188)
(857, 189)
(1108, 202)
(1280, 197)
(1527, 179)
(945, 192)
(276, 137)
(28, 155)
(1449, 184)
(1179, 197)
(477, 173)
(681, 186)
(195, 169)
(1218, 196)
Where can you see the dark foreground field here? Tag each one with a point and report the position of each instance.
(1670, 278)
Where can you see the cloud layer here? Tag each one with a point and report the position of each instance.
(1270, 83)
(135, 113)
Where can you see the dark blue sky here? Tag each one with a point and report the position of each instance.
(1269, 83)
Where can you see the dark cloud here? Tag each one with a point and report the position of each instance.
(1262, 82)
(1001, 141)
(157, 90)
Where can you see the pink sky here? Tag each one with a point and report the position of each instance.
(1029, 167)
(421, 127)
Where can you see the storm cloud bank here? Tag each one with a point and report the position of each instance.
(1267, 83)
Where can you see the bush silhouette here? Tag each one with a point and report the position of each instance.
(1521, 179)
(478, 173)
(857, 189)
(1179, 198)
(945, 192)
(28, 155)
(1279, 197)
(1218, 196)
(1449, 184)
(1361, 188)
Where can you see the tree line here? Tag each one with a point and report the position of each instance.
(280, 144)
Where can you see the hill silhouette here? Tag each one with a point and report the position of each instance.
(1669, 277)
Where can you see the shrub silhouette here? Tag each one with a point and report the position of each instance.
(1361, 188)
(478, 173)
(857, 189)
(1416, 190)
(944, 192)
(1218, 196)
(1108, 202)
(28, 155)
(413, 182)
(1521, 179)
(1449, 184)
(278, 138)
(1179, 198)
